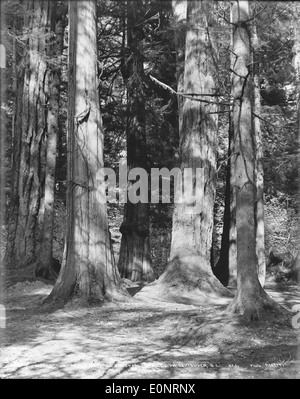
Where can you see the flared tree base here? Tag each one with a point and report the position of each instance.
(185, 280)
(257, 307)
(73, 291)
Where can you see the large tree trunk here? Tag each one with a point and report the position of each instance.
(135, 258)
(250, 300)
(88, 271)
(46, 265)
(29, 140)
(259, 169)
(189, 273)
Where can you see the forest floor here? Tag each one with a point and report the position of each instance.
(142, 339)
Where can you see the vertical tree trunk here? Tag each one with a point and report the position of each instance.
(189, 271)
(3, 79)
(225, 269)
(250, 299)
(46, 262)
(296, 65)
(259, 169)
(135, 259)
(29, 140)
(88, 271)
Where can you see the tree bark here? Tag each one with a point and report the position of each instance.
(259, 168)
(3, 79)
(88, 271)
(45, 263)
(189, 271)
(135, 257)
(29, 140)
(225, 269)
(296, 65)
(250, 300)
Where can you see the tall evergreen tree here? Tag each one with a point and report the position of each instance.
(189, 269)
(46, 263)
(250, 300)
(29, 139)
(88, 270)
(135, 256)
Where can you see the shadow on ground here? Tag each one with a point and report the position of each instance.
(141, 340)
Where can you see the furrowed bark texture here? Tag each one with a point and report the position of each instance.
(88, 271)
(189, 267)
(250, 300)
(28, 176)
(259, 168)
(135, 257)
(44, 267)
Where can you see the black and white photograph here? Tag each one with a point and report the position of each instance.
(149, 192)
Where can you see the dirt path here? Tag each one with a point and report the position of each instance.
(141, 340)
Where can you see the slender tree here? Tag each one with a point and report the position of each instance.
(3, 78)
(259, 169)
(250, 300)
(45, 263)
(296, 65)
(88, 271)
(226, 268)
(135, 258)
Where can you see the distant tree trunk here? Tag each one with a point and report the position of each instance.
(88, 271)
(135, 258)
(45, 263)
(225, 269)
(250, 300)
(259, 168)
(189, 271)
(29, 140)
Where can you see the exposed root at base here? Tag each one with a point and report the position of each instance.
(181, 293)
(259, 309)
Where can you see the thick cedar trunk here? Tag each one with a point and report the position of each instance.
(259, 169)
(45, 263)
(88, 271)
(250, 300)
(29, 141)
(189, 271)
(135, 258)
